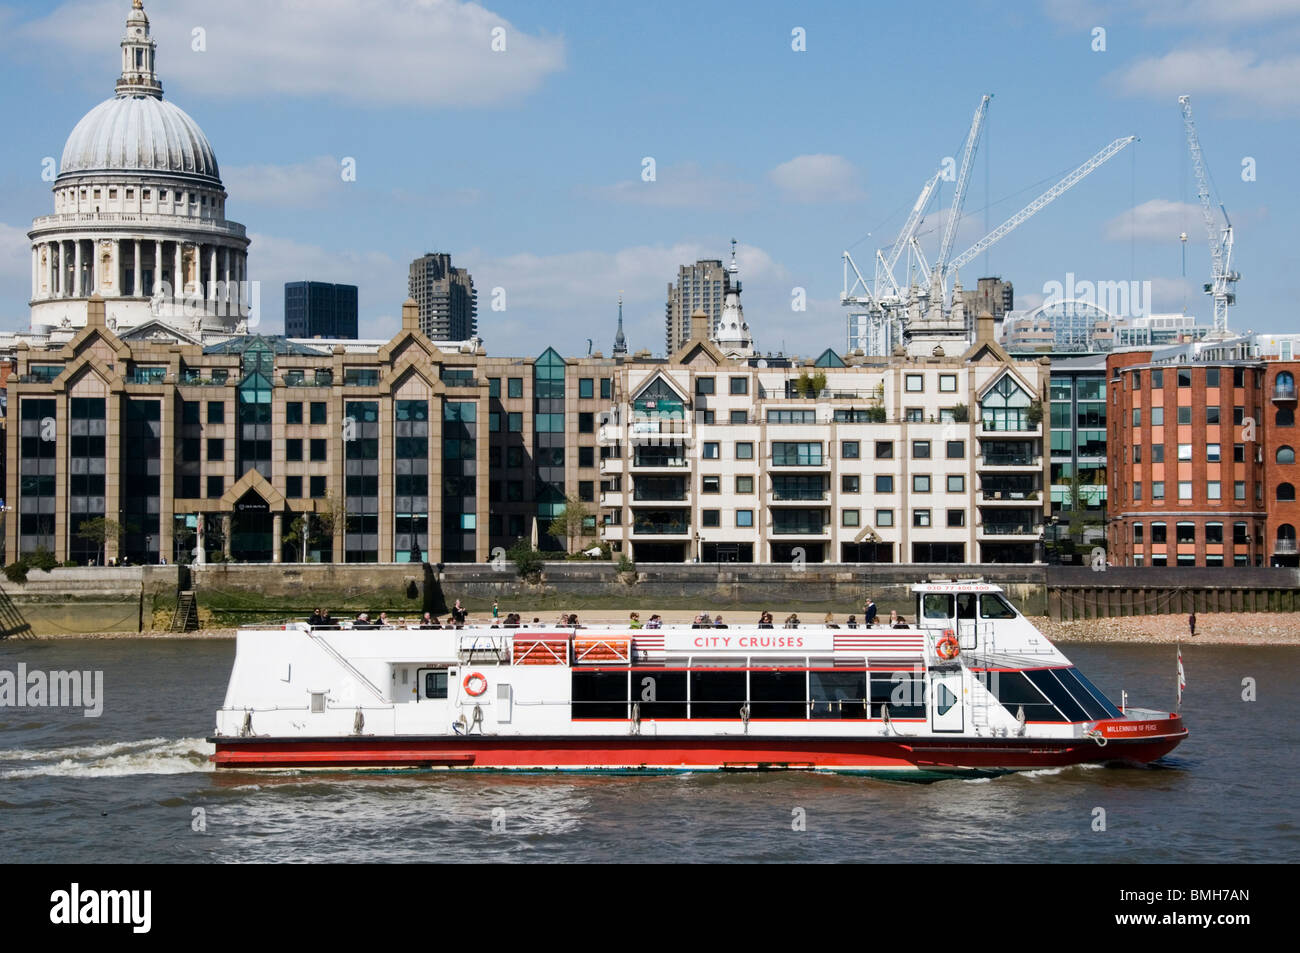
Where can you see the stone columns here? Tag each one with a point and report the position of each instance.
(277, 534)
(212, 273)
(60, 267)
(76, 274)
(136, 284)
(201, 540)
(36, 271)
(225, 534)
(178, 277)
(157, 265)
(118, 290)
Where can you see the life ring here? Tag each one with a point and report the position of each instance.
(947, 647)
(475, 677)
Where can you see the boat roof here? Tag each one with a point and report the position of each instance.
(956, 585)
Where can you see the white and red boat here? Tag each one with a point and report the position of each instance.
(973, 688)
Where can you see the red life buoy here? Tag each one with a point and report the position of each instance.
(475, 677)
(947, 647)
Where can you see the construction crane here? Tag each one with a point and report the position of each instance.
(1223, 284)
(959, 195)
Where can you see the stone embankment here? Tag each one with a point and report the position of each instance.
(1212, 628)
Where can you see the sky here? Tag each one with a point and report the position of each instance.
(520, 137)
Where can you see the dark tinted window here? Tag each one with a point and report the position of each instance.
(779, 694)
(599, 695)
(837, 694)
(717, 694)
(1015, 691)
(660, 694)
(902, 692)
(435, 684)
(1109, 707)
(1050, 686)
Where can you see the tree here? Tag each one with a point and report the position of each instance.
(316, 529)
(528, 561)
(960, 414)
(571, 523)
(99, 530)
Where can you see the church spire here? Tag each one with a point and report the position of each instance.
(620, 342)
(138, 77)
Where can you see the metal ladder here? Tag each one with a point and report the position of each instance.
(186, 616)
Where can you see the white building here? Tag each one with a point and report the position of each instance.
(139, 218)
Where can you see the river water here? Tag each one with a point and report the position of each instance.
(134, 785)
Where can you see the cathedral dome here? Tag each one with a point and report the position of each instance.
(139, 134)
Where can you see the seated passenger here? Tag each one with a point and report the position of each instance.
(792, 621)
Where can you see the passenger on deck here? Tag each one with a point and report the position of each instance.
(703, 620)
(655, 622)
(430, 621)
(718, 623)
(634, 621)
(869, 613)
(852, 622)
(829, 621)
(316, 618)
(765, 620)
(792, 621)
(362, 621)
(458, 614)
(901, 623)
(383, 622)
(893, 617)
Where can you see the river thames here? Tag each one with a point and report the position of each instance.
(135, 785)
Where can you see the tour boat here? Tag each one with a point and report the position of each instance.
(972, 687)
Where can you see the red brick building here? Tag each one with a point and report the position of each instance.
(1202, 462)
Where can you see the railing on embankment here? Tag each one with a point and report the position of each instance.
(1077, 592)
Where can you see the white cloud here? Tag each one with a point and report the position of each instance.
(818, 178)
(381, 281)
(685, 185)
(1157, 220)
(300, 184)
(422, 52)
(1241, 75)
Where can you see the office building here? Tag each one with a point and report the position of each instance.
(317, 309)
(446, 298)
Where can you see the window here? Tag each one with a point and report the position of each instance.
(710, 518)
(1214, 533)
(1137, 532)
(744, 450)
(792, 416)
(704, 386)
(606, 388)
(190, 412)
(790, 454)
(1212, 453)
(1239, 490)
(318, 446)
(1158, 489)
(739, 386)
(1184, 451)
(587, 491)
(494, 422)
(1157, 378)
(1137, 453)
(216, 412)
(744, 484)
(293, 412)
(216, 487)
(849, 450)
(850, 483)
(884, 483)
(293, 450)
(711, 484)
(1239, 533)
(744, 517)
(1137, 416)
(884, 518)
(1158, 453)
(586, 423)
(948, 383)
(1184, 415)
(1213, 490)
(1286, 492)
(920, 450)
(920, 483)
(1238, 453)
(956, 449)
(1158, 533)
(216, 449)
(293, 487)
(884, 449)
(914, 415)
(586, 457)
(1185, 532)
(318, 412)
(1211, 377)
(913, 383)
(1157, 416)
(494, 387)
(586, 388)
(1137, 492)
(956, 483)
(850, 518)
(1212, 414)
(515, 387)
(921, 518)
(1184, 489)
(740, 417)
(711, 450)
(956, 518)
(515, 423)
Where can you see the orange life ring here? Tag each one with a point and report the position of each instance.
(947, 647)
(475, 677)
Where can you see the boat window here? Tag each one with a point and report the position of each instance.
(1112, 711)
(717, 694)
(936, 605)
(965, 605)
(660, 694)
(1015, 691)
(837, 694)
(1094, 708)
(993, 606)
(778, 694)
(599, 694)
(317, 702)
(902, 692)
(1053, 689)
(944, 699)
(435, 684)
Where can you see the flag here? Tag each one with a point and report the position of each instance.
(1182, 676)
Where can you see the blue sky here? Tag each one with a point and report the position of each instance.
(526, 163)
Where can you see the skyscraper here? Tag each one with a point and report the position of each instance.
(446, 296)
(702, 286)
(317, 309)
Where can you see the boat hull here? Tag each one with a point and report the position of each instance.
(923, 756)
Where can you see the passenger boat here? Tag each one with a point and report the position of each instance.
(972, 688)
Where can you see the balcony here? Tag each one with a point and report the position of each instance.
(787, 527)
(666, 458)
(1015, 528)
(1285, 547)
(661, 490)
(1011, 460)
(664, 523)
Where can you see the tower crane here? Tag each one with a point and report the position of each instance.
(1223, 284)
(959, 195)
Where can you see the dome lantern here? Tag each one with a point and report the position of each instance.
(138, 48)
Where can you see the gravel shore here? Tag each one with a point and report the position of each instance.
(1219, 628)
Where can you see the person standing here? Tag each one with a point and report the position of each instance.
(869, 613)
(496, 610)
(1191, 624)
(458, 614)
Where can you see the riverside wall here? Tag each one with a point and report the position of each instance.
(143, 598)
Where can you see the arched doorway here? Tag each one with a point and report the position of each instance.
(1284, 547)
(252, 530)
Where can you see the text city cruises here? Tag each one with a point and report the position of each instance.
(973, 688)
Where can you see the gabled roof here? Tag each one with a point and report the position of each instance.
(663, 384)
(829, 359)
(155, 330)
(253, 480)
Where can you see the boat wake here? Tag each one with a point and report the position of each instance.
(115, 759)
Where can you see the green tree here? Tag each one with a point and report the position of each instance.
(528, 561)
(570, 525)
(99, 530)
